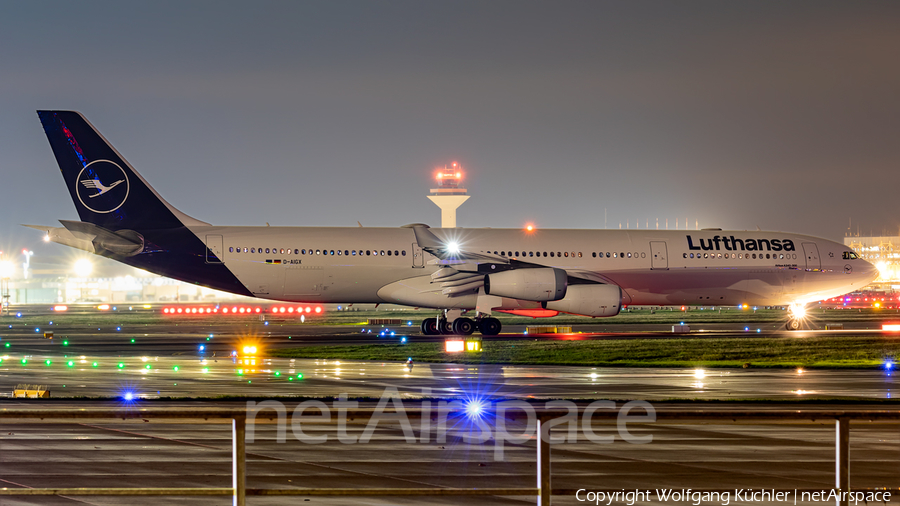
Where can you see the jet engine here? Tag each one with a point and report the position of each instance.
(589, 300)
(540, 284)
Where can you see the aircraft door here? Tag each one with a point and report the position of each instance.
(418, 256)
(813, 262)
(215, 249)
(659, 258)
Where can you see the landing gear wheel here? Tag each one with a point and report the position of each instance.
(429, 327)
(463, 326)
(446, 327)
(489, 326)
(793, 324)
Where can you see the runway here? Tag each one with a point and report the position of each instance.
(196, 361)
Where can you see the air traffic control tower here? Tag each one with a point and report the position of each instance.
(448, 195)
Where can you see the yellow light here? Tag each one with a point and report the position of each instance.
(454, 346)
(249, 349)
(472, 345)
(103, 307)
(440, 175)
(877, 304)
(458, 175)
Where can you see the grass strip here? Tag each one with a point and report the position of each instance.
(859, 352)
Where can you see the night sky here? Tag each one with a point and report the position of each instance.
(782, 115)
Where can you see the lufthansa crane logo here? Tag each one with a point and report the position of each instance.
(102, 186)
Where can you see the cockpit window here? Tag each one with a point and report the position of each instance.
(849, 255)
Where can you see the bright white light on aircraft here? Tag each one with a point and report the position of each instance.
(83, 267)
(797, 310)
(529, 228)
(60, 308)
(6, 269)
(699, 373)
(47, 238)
(249, 350)
(453, 247)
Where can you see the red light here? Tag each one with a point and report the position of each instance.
(281, 310)
(166, 310)
(290, 310)
(234, 310)
(224, 309)
(257, 310)
(179, 310)
(308, 309)
(318, 309)
(242, 310)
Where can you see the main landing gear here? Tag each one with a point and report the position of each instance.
(460, 325)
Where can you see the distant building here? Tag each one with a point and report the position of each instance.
(884, 253)
(448, 195)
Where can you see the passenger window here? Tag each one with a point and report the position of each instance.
(629, 254)
(252, 250)
(559, 254)
(382, 252)
(346, 252)
(567, 254)
(339, 252)
(594, 254)
(531, 253)
(389, 252)
(403, 252)
(317, 252)
(368, 252)
(267, 250)
(579, 254)
(621, 255)
(551, 254)
(231, 250)
(685, 255)
(706, 255)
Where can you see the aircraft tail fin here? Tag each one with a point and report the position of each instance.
(105, 188)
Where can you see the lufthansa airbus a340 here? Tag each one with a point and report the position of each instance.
(466, 274)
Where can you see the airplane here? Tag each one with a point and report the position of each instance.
(466, 274)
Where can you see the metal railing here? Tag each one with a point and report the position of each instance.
(542, 491)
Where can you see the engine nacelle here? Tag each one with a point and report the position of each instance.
(542, 284)
(589, 300)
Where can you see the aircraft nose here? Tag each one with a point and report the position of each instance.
(868, 273)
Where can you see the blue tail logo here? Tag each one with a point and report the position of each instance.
(90, 184)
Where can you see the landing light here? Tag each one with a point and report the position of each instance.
(453, 247)
(699, 373)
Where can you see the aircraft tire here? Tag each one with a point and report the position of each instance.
(489, 326)
(793, 324)
(463, 326)
(429, 326)
(446, 327)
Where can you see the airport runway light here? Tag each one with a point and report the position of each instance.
(475, 408)
(175, 368)
(65, 343)
(70, 363)
(24, 360)
(83, 267)
(277, 373)
(699, 373)
(95, 364)
(48, 362)
(121, 365)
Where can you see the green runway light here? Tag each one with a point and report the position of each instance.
(132, 341)
(24, 361)
(95, 364)
(206, 369)
(147, 367)
(48, 362)
(71, 363)
(249, 381)
(175, 368)
(65, 343)
(7, 345)
(300, 376)
(291, 379)
(121, 365)
(277, 373)
(207, 339)
(240, 372)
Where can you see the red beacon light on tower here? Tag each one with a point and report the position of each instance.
(449, 177)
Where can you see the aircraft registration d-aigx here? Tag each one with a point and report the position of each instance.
(466, 274)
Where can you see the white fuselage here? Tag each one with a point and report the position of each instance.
(385, 265)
